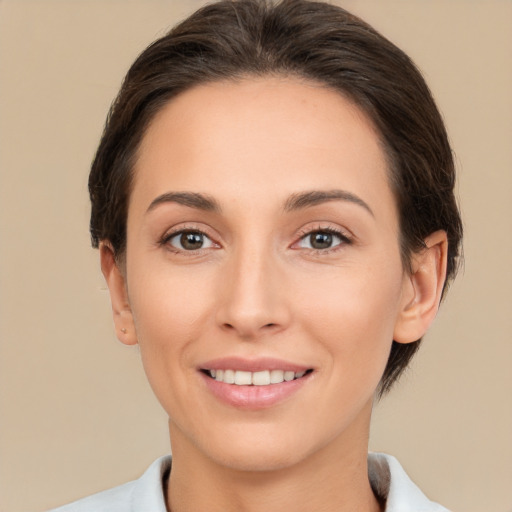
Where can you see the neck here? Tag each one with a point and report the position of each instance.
(333, 479)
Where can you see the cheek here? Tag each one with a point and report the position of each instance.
(353, 313)
(168, 303)
(171, 310)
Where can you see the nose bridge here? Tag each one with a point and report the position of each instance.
(252, 301)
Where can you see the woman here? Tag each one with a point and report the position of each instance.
(273, 203)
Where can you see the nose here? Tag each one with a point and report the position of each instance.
(253, 299)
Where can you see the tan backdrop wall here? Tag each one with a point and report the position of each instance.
(76, 413)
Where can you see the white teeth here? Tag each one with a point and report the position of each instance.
(261, 378)
(243, 378)
(229, 377)
(289, 376)
(276, 376)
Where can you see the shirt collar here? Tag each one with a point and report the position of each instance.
(387, 477)
(391, 484)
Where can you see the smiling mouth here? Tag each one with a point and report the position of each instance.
(260, 378)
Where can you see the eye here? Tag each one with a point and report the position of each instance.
(190, 240)
(322, 239)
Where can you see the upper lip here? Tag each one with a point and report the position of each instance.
(252, 365)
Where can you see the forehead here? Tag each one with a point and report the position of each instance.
(266, 135)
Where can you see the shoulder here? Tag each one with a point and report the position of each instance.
(114, 500)
(146, 493)
(392, 484)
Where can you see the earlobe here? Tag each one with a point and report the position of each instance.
(123, 318)
(422, 289)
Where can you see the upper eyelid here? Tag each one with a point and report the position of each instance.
(181, 228)
(321, 226)
(334, 231)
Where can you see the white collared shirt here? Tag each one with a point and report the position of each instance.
(146, 494)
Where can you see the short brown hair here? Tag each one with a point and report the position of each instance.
(230, 39)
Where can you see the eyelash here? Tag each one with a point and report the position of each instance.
(343, 237)
(165, 240)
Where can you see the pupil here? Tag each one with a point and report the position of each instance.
(191, 241)
(321, 240)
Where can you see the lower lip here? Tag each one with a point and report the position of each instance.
(254, 397)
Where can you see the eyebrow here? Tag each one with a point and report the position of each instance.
(191, 199)
(295, 202)
(315, 197)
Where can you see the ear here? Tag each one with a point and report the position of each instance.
(116, 282)
(422, 289)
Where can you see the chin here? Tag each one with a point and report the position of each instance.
(245, 447)
(259, 459)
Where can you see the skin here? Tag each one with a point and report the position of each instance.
(258, 288)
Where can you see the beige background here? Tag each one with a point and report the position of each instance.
(76, 413)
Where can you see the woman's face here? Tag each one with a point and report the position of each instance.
(262, 243)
